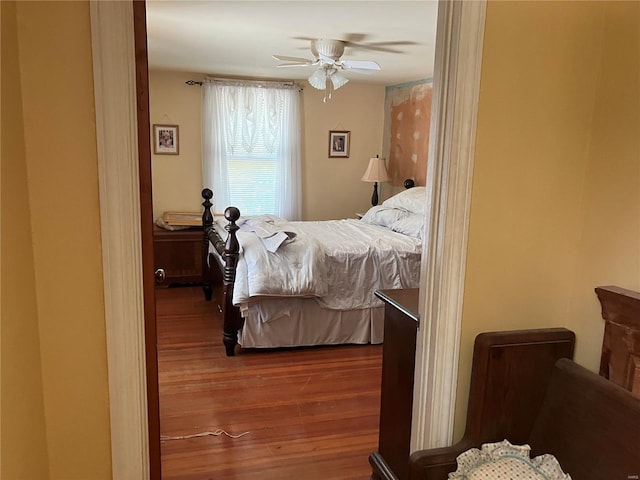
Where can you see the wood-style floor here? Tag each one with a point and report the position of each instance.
(311, 413)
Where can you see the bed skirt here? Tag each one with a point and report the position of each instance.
(309, 324)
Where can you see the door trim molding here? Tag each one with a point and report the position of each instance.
(458, 54)
(114, 69)
(459, 40)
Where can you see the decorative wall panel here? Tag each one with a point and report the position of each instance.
(406, 131)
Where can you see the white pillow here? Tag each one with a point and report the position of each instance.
(504, 461)
(412, 225)
(383, 216)
(412, 200)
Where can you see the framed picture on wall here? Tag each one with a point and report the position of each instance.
(165, 140)
(339, 143)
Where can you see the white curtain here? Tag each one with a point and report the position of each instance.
(245, 122)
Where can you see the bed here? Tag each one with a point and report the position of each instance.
(525, 389)
(289, 284)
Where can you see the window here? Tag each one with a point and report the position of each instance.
(251, 141)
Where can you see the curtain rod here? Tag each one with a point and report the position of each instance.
(288, 83)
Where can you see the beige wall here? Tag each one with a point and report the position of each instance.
(58, 302)
(177, 179)
(331, 186)
(555, 208)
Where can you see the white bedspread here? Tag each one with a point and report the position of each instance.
(296, 269)
(339, 262)
(269, 229)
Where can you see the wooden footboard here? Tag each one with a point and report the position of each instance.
(219, 265)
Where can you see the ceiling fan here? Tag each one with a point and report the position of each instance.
(327, 57)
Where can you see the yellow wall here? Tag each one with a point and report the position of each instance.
(331, 187)
(555, 208)
(23, 442)
(609, 247)
(53, 183)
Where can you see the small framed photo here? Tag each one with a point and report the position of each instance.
(165, 139)
(339, 143)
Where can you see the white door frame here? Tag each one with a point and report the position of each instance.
(114, 72)
(459, 40)
(460, 26)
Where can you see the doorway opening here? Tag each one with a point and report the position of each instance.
(113, 39)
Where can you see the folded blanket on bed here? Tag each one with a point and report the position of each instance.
(267, 229)
(295, 268)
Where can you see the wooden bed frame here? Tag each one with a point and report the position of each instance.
(226, 258)
(228, 252)
(524, 388)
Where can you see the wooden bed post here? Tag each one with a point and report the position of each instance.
(232, 318)
(207, 223)
(226, 256)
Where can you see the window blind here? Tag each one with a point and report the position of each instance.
(253, 177)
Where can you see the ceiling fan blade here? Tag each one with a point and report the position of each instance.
(298, 64)
(303, 38)
(361, 70)
(380, 46)
(359, 64)
(285, 58)
(398, 43)
(354, 37)
(327, 60)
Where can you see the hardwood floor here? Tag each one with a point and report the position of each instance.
(311, 413)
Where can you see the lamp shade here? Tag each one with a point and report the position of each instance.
(320, 78)
(376, 171)
(338, 80)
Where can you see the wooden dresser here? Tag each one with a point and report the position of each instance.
(620, 361)
(398, 366)
(177, 256)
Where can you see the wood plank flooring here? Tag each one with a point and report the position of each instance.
(311, 413)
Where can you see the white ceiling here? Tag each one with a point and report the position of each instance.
(238, 37)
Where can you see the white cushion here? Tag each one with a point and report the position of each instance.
(412, 200)
(412, 225)
(383, 216)
(504, 461)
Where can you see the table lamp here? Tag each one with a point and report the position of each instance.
(376, 172)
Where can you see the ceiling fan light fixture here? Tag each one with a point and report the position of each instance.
(332, 49)
(327, 54)
(318, 79)
(338, 80)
